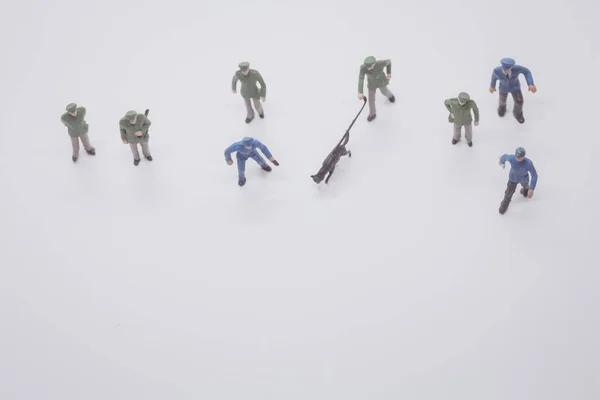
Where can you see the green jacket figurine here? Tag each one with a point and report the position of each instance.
(460, 107)
(76, 124)
(77, 128)
(249, 79)
(376, 77)
(133, 123)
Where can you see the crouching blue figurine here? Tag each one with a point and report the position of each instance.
(246, 148)
(521, 170)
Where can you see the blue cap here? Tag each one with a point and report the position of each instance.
(520, 152)
(247, 141)
(507, 63)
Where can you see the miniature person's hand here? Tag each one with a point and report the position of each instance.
(492, 90)
(477, 123)
(125, 141)
(361, 96)
(452, 116)
(234, 91)
(229, 162)
(389, 76)
(530, 193)
(138, 133)
(262, 99)
(532, 89)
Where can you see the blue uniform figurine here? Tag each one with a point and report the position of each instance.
(508, 75)
(246, 148)
(520, 170)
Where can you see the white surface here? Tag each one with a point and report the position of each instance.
(398, 280)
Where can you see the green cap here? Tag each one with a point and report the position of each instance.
(71, 107)
(244, 65)
(131, 114)
(462, 96)
(370, 61)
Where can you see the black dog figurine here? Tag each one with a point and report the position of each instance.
(330, 162)
(338, 152)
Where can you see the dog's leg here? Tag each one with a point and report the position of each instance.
(330, 173)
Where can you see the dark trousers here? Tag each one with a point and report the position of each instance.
(510, 191)
(241, 162)
(518, 99)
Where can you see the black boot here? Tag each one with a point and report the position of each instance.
(503, 207)
(74, 158)
(261, 115)
(470, 144)
(149, 158)
(316, 178)
(371, 117)
(242, 182)
(91, 152)
(267, 168)
(520, 118)
(524, 192)
(349, 154)
(392, 99)
(454, 141)
(136, 162)
(501, 111)
(248, 120)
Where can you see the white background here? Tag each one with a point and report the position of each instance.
(397, 280)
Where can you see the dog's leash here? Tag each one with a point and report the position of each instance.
(344, 140)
